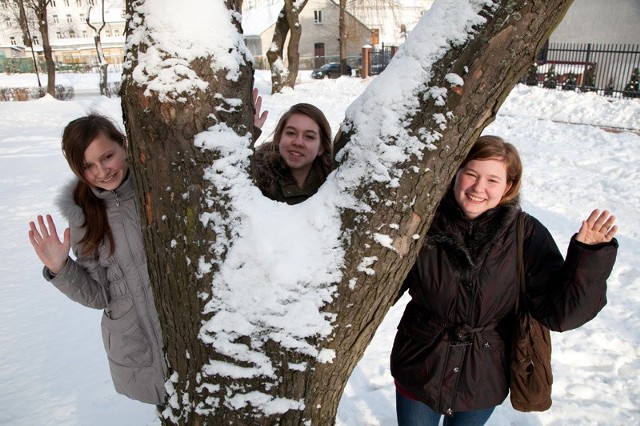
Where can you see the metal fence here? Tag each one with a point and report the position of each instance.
(608, 69)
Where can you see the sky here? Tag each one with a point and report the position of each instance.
(580, 151)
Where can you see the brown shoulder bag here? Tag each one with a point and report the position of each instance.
(531, 378)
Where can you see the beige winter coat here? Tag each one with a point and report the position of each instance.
(120, 285)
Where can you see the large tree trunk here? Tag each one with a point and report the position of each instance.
(231, 371)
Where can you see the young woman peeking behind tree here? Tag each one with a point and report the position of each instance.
(109, 271)
(296, 163)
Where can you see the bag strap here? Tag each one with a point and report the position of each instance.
(520, 242)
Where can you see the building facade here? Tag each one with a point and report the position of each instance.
(70, 35)
(319, 42)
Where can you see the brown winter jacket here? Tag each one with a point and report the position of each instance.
(119, 284)
(451, 348)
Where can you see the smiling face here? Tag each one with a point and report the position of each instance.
(480, 185)
(105, 163)
(299, 145)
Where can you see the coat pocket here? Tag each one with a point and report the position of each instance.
(413, 344)
(422, 329)
(125, 341)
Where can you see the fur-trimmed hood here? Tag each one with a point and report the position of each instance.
(67, 205)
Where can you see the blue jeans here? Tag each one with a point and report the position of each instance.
(415, 413)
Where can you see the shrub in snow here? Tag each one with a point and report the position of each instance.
(550, 78)
(632, 89)
(571, 82)
(608, 90)
(532, 75)
(11, 94)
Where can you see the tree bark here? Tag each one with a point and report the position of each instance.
(275, 54)
(287, 23)
(102, 61)
(174, 196)
(26, 36)
(40, 9)
(342, 29)
(293, 53)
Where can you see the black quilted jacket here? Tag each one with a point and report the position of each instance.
(451, 348)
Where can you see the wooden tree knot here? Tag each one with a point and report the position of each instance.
(142, 156)
(168, 112)
(403, 244)
(144, 100)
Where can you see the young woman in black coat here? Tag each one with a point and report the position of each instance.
(450, 355)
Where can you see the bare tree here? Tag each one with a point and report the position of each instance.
(15, 11)
(342, 36)
(102, 60)
(186, 144)
(287, 25)
(39, 8)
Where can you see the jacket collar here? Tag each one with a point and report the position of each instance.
(124, 192)
(470, 240)
(73, 212)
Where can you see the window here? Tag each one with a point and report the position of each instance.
(8, 22)
(107, 33)
(69, 18)
(3, 4)
(53, 3)
(58, 34)
(72, 34)
(116, 33)
(12, 40)
(317, 17)
(84, 34)
(78, 2)
(82, 18)
(35, 40)
(66, 2)
(55, 19)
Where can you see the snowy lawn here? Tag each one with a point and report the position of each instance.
(580, 151)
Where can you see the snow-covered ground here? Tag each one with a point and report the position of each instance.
(580, 151)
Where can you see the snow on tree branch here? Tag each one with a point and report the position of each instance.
(173, 34)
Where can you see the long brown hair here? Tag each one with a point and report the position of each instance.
(323, 163)
(76, 137)
(269, 164)
(490, 146)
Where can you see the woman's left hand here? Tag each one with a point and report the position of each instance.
(598, 228)
(258, 118)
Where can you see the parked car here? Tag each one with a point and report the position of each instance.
(330, 70)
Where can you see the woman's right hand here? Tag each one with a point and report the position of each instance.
(51, 251)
